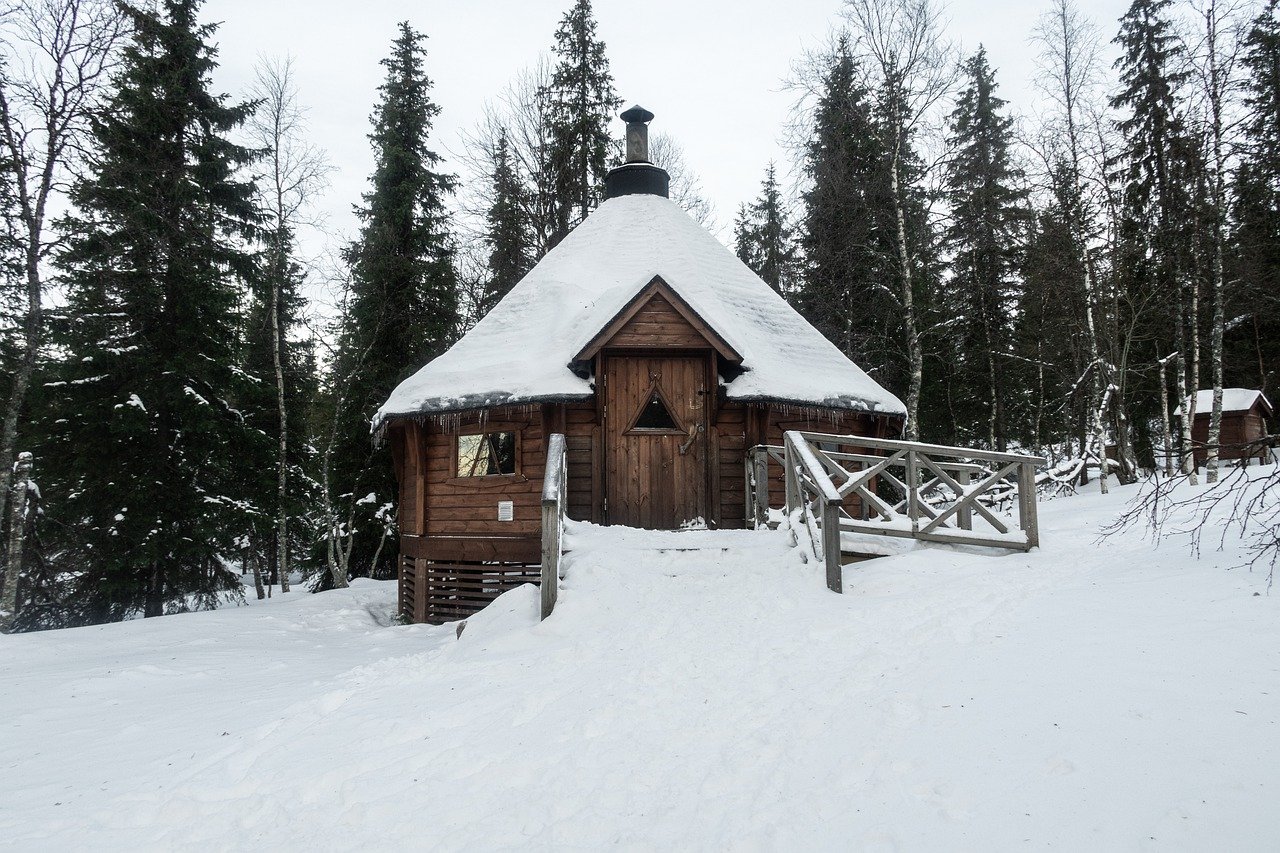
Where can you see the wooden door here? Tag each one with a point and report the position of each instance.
(655, 429)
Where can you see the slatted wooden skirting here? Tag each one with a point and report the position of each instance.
(443, 592)
(408, 586)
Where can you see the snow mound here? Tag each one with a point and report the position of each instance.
(694, 690)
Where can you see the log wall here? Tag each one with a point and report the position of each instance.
(456, 555)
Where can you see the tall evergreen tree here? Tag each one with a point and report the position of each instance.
(763, 236)
(984, 239)
(508, 237)
(1254, 356)
(145, 439)
(581, 104)
(403, 309)
(1052, 348)
(846, 257)
(1156, 166)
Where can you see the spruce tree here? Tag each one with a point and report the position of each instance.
(1051, 346)
(1254, 356)
(983, 239)
(742, 237)
(145, 440)
(581, 104)
(841, 290)
(403, 308)
(508, 237)
(764, 238)
(1156, 169)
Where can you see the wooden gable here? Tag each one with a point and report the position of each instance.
(658, 318)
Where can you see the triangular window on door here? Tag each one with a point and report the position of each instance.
(655, 415)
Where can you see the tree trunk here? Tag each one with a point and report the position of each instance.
(255, 566)
(1164, 412)
(32, 328)
(1219, 208)
(282, 449)
(914, 356)
(154, 603)
(13, 553)
(1187, 464)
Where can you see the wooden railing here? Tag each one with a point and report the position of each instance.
(896, 488)
(554, 493)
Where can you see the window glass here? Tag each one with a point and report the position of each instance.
(488, 454)
(655, 415)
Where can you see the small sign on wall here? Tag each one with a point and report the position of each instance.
(506, 510)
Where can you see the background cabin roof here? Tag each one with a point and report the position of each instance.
(1233, 400)
(522, 350)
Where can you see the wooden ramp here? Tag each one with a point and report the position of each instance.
(837, 487)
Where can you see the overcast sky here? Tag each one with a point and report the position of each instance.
(712, 72)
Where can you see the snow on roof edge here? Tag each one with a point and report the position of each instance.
(1233, 400)
(522, 351)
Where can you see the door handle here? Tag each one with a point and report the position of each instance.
(693, 434)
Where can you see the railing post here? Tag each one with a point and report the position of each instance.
(553, 490)
(792, 483)
(550, 556)
(831, 545)
(913, 491)
(965, 515)
(761, 494)
(1027, 509)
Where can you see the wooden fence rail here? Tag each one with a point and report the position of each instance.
(554, 493)
(896, 488)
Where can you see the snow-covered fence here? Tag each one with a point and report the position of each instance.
(554, 492)
(897, 488)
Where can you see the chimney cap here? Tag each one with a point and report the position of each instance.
(637, 113)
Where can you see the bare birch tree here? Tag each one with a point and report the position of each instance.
(1215, 61)
(686, 186)
(902, 41)
(57, 55)
(521, 114)
(296, 173)
(1069, 63)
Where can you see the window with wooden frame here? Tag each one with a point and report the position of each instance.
(488, 454)
(655, 416)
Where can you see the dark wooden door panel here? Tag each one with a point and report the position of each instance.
(656, 477)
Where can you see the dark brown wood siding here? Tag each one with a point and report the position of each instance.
(1236, 439)
(658, 325)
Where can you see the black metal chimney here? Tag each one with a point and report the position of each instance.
(637, 176)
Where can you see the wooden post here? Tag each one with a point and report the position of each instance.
(761, 508)
(553, 497)
(831, 544)
(550, 556)
(965, 515)
(913, 491)
(1027, 510)
(792, 484)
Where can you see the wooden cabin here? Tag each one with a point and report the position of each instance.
(1244, 424)
(656, 353)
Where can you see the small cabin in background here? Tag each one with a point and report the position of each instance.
(658, 355)
(1244, 424)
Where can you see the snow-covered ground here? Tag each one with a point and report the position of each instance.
(1090, 695)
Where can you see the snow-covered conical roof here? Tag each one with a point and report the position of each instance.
(521, 352)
